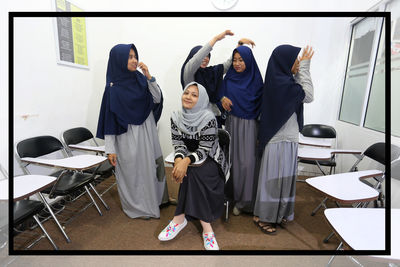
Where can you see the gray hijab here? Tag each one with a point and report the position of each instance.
(191, 121)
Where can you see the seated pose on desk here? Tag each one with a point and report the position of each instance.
(195, 140)
(195, 68)
(131, 106)
(241, 94)
(280, 123)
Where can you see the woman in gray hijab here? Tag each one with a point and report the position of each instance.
(199, 166)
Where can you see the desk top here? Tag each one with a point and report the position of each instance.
(318, 142)
(360, 228)
(346, 187)
(171, 159)
(89, 148)
(394, 234)
(80, 162)
(323, 153)
(26, 185)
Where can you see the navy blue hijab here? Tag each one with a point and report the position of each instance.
(209, 77)
(126, 98)
(282, 95)
(245, 88)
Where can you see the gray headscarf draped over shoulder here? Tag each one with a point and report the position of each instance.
(191, 121)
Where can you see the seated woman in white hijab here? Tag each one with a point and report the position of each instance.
(195, 139)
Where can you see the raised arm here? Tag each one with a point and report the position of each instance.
(303, 76)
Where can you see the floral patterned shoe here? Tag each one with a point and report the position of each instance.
(171, 230)
(210, 243)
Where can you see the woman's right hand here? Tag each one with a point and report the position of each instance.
(113, 159)
(308, 53)
(226, 103)
(220, 36)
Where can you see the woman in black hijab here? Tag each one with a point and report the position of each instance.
(287, 86)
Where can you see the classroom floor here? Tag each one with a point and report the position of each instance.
(115, 231)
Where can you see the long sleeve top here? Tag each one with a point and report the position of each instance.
(199, 146)
(110, 140)
(194, 63)
(290, 130)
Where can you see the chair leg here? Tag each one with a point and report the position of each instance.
(45, 232)
(54, 217)
(320, 168)
(94, 202)
(355, 261)
(319, 206)
(97, 194)
(226, 210)
(331, 259)
(326, 240)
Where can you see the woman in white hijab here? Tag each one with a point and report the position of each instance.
(195, 141)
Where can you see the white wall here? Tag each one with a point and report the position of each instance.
(57, 97)
(47, 91)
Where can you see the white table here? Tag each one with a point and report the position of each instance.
(360, 228)
(26, 185)
(346, 187)
(100, 149)
(79, 163)
(310, 153)
(312, 141)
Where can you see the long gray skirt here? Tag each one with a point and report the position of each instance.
(140, 172)
(243, 155)
(276, 189)
(201, 193)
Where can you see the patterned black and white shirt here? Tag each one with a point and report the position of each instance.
(200, 145)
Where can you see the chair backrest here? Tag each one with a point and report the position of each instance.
(395, 169)
(394, 152)
(76, 135)
(38, 146)
(318, 131)
(224, 140)
(376, 152)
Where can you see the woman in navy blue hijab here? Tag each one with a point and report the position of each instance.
(287, 86)
(241, 97)
(131, 106)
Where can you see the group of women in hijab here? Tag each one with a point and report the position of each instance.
(262, 118)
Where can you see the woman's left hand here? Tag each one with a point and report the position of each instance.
(145, 70)
(247, 41)
(179, 170)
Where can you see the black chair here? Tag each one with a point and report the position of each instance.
(26, 209)
(377, 153)
(69, 182)
(79, 135)
(224, 141)
(320, 131)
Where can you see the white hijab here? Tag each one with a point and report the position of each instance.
(191, 121)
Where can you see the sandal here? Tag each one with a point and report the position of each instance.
(283, 223)
(256, 220)
(267, 228)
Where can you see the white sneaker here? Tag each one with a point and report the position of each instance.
(210, 243)
(236, 211)
(171, 230)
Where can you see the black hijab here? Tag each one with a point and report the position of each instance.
(282, 95)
